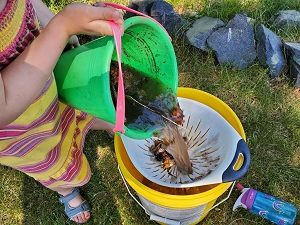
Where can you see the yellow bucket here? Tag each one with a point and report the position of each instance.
(177, 205)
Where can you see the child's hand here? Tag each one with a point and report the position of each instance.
(80, 18)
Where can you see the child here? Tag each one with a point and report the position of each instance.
(39, 135)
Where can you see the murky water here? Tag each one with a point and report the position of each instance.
(142, 90)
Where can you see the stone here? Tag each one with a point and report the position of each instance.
(293, 55)
(201, 29)
(287, 18)
(164, 13)
(234, 44)
(270, 50)
(143, 6)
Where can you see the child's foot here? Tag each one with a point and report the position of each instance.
(76, 208)
(83, 217)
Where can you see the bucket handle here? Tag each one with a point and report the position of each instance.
(120, 111)
(225, 199)
(152, 216)
(163, 219)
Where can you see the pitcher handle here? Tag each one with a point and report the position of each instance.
(123, 7)
(120, 112)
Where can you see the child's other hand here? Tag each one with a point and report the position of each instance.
(79, 18)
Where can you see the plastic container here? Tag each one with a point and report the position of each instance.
(177, 205)
(82, 74)
(266, 206)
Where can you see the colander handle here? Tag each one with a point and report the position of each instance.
(230, 174)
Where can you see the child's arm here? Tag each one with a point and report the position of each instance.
(22, 81)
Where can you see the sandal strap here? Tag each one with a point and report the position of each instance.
(65, 199)
(71, 212)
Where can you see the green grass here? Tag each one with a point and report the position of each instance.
(269, 112)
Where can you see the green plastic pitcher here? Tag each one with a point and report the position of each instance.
(82, 74)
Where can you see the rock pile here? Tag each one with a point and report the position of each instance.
(237, 44)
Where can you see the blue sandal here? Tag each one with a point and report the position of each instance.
(71, 212)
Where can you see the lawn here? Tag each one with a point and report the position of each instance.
(269, 112)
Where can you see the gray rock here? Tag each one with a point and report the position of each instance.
(293, 49)
(234, 44)
(295, 73)
(143, 6)
(269, 50)
(164, 13)
(293, 53)
(287, 18)
(201, 30)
